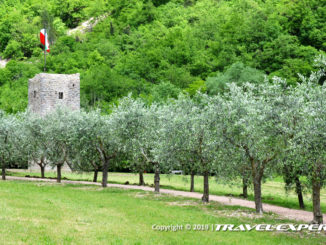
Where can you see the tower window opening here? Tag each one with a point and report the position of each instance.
(60, 95)
(34, 94)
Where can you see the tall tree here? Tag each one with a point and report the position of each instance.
(308, 142)
(59, 132)
(250, 126)
(130, 114)
(189, 136)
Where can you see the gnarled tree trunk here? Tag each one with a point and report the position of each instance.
(157, 178)
(192, 182)
(3, 173)
(205, 197)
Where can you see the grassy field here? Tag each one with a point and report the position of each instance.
(273, 190)
(48, 213)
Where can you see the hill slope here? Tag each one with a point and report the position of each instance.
(157, 48)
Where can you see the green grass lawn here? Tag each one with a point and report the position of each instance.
(49, 213)
(273, 190)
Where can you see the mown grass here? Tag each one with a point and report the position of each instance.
(272, 190)
(48, 213)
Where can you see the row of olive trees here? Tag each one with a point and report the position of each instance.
(249, 132)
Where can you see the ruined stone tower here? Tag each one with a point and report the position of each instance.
(47, 91)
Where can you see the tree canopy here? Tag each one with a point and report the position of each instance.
(144, 47)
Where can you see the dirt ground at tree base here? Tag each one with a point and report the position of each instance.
(292, 214)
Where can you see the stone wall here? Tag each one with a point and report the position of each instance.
(44, 92)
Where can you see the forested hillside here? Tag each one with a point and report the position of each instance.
(158, 48)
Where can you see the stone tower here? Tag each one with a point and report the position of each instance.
(47, 91)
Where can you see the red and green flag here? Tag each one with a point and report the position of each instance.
(44, 40)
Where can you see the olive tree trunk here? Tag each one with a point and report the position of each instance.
(105, 172)
(257, 171)
(3, 173)
(205, 197)
(141, 178)
(95, 175)
(42, 171)
(192, 182)
(257, 192)
(298, 190)
(245, 187)
(157, 178)
(59, 173)
(318, 216)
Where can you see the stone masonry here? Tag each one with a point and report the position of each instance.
(48, 91)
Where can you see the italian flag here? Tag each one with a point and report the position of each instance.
(44, 40)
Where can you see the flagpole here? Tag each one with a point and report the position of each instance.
(45, 50)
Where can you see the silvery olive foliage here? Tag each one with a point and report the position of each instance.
(11, 144)
(85, 142)
(108, 143)
(148, 141)
(131, 117)
(97, 142)
(189, 139)
(290, 111)
(177, 149)
(251, 125)
(232, 163)
(59, 135)
(37, 142)
(142, 130)
(58, 129)
(309, 135)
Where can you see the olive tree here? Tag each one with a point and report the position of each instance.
(11, 145)
(107, 143)
(189, 137)
(95, 142)
(251, 126)
(130, 117)
(231, 163)
(150, 140)
(58, 129)
(36, 140)
(145, 127)
(290, 108)
(84, 142)
(309, 140)
(304, 125)
(175, 150)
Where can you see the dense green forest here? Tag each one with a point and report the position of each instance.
(158, 48)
